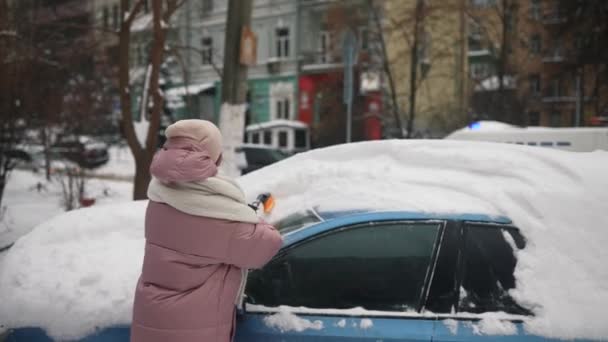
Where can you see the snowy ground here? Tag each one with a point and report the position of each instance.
(83, 266)
(24, 207)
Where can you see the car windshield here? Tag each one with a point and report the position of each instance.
(296, 221)
(263, 155)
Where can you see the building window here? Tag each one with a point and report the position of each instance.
(324, 47)
(555, 87)
(207, 51)
(282, 139)
(535, 44)
(474, 30)
(479, 71)
(535, 9)
(579, 41)
(255, 138)
(106, 17)
(300, 138)
(483, 3)
(268, 138)
(363, 38)
(283, 109)
(535, 86)
(206, 7)
(282, 42)
(533, 119)
(509, 21)
(556, 118)
(115, 17)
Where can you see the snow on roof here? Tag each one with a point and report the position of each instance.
(191, 89)
(557, 199)
(276, 123)
(497, 126)
(142, 23)
(492, 83)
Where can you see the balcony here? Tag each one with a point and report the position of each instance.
(554, 17)
(480, 53)
(558, 97)
(556, 55)
(61, 10)
(315, 61)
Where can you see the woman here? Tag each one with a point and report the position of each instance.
(201, 237)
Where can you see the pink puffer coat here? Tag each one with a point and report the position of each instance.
(192, 272)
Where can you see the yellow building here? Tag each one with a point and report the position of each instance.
(440, 77)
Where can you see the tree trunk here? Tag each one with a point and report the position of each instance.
(387, 70)
(234, 78)
(2, 186)
(502, 114)
(142, 176)
(414, 68)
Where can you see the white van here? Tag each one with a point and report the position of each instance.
(576, 139)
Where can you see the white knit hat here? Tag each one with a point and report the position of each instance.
(203, 131)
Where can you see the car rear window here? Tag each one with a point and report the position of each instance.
(488, 269)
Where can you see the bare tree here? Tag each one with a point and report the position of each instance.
(72, 180)
(386, 67)
(586, 25)
(161, 13)
(11, 89)
(424, 39)
(498, 32)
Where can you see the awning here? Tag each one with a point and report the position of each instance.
(191, 89)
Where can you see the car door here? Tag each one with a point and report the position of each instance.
(481, 260)
(364, 282)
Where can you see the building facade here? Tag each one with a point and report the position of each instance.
(437, 84)
(532, 48)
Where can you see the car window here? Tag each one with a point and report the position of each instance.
(300, 138)
(443, 294)
(262, 156)
(380, 266)
(488, 266)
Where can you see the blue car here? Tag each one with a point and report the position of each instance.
(378, 276)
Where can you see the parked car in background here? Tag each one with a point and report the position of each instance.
(254, 157)
(83, 150)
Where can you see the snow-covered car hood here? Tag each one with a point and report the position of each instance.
(78, 271)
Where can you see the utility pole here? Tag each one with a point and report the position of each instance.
(238, 54)
(234, 75)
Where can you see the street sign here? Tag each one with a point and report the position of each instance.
(349, 56)
(349, 50)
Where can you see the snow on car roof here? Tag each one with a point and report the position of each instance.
(78, 271)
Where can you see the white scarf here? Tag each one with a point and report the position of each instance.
(216, 197)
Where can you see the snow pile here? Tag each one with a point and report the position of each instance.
(78, 271)
(24, 207)
(558, 199)
(452, 325)
(366, 323)
(285, 321)
(75, 272)
(493, 325)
